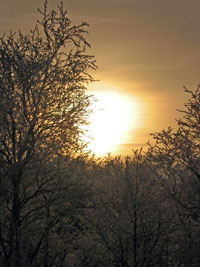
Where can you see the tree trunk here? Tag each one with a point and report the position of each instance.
(16, 222)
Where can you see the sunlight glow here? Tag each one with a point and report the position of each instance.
(114, 116)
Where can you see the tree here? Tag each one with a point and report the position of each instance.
(175, 157)
(43, 104)
(128, 225)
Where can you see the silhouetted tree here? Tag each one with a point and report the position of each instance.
(128, 226)
(43, 105)
(176, 159)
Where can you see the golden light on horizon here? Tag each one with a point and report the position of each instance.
(114, 116)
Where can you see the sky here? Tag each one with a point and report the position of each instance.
(146, 51)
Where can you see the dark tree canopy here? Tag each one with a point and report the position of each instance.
(43, 105)
(42, 87)
(62, 208)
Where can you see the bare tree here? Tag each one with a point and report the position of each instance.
(175, 156)
(43, 104)
(128, 227)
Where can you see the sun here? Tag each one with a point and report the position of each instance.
(114, 116)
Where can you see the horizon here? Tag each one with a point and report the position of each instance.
(145, 50)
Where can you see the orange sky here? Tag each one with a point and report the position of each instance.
(145, 49)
